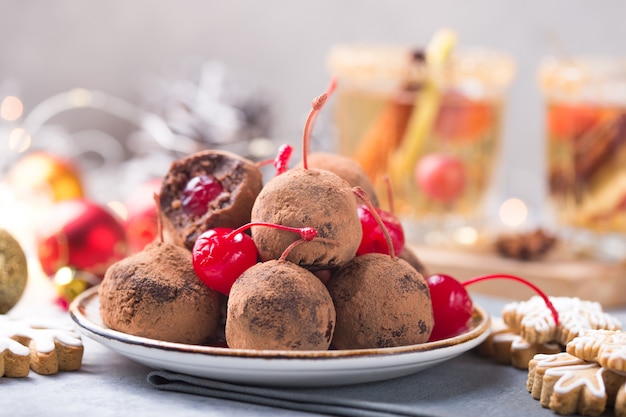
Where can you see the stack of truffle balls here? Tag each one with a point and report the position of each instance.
(292, 292)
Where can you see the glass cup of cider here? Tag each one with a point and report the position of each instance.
(427, 135)
(585, 125)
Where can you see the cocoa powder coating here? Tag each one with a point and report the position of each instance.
(278, 305)
(156, 294)
(380, 302)
(346, 168)
(240, 178)
(411, 257)
(308, 198)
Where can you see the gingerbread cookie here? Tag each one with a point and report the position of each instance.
(507, 347)
(534, 322)
(538, 365)
(37, 346)
(569, 385)
(587, 379)
(605, 347)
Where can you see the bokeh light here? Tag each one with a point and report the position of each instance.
(466, 235)
(19, 140)
(513, 212)
(11, 108)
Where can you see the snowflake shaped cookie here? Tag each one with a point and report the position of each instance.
(587, 379)
(42, 347)
(534, 322)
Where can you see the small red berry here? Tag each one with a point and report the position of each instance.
(441, 177)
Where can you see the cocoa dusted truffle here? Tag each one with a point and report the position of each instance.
(346, 168)
(308, 198)
(380, 302)
(278, 305)
(206, 190)
(156, 294)
(411, 257)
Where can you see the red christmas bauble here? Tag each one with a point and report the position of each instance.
(80, 234)
(142, 223)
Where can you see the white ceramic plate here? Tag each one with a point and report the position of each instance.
(276, 368)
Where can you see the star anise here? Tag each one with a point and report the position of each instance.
(525, 246)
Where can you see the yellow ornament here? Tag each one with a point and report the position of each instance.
(70, 282)
(13, 271)
(44, 173)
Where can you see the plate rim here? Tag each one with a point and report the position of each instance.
(78, 307)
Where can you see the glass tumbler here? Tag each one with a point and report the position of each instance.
(585, 129)
(428, 137)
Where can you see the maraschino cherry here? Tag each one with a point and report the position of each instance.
(199, 192)
(221, 255)
(373, 240)
(453, 307)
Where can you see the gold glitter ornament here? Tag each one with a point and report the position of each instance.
(13, 271)
(70, 282)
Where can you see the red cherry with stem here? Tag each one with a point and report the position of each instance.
(389, 245)
(453, 307)
(281, 161)
(221, 255)
(374, 240)
(198, 194)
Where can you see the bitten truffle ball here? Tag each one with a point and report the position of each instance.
(278, 305)
(156, 294)
(380, 302)
(206, 190)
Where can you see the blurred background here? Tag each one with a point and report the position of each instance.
(279, 48)
(223, 73)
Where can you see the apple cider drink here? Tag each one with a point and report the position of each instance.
(431, 132)
(586, 142)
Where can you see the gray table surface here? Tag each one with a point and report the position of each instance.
(108, 384)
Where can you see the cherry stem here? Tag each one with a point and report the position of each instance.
(360, 192)
(288, 249)
(316, 106)
(281, 161)
(306, 233)
(389, 193)
(546, 299)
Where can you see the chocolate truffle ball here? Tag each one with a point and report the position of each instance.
(346, 168)
(156, 294)
(411, 257)
(278, 305)
(308, 198)
(380, 302)
(238, 183)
